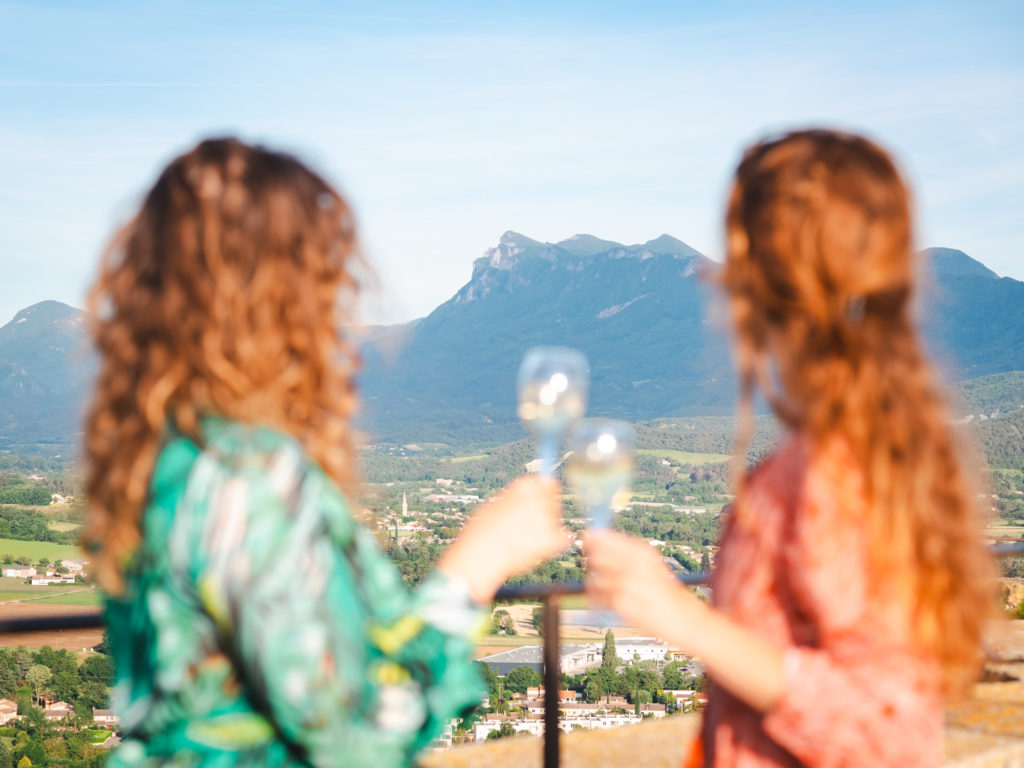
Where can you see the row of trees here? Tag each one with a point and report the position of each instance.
(696, 531)
(31, 525)
(24, 494)
(43, 562)
(502, 623)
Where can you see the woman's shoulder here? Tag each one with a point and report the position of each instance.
(807, 482)
(775, 472)
(799, 458)
(236, 476)
(245, 445)
(226, 447)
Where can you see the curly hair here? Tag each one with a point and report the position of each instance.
(819, 274)
(223, 295)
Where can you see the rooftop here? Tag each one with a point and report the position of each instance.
(530, 654)
(651, 641)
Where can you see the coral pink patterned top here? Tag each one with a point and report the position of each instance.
(857, 693)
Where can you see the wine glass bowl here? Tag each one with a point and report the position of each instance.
(552, 389)
(600, 467)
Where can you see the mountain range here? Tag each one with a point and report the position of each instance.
(648, 321)
(643, 314)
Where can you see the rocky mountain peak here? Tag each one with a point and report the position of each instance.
(950, 261)
(41, 317)
(516, 240)
(587, 245)
(669, 244)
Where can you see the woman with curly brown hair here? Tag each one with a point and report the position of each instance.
(251, 618)
(851, 584)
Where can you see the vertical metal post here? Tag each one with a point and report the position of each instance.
(552, 682)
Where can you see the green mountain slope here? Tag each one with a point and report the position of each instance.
(640, 313)
(45, 370)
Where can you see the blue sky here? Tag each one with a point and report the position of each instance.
(448, 123)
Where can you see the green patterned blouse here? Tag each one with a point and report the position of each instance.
(261, 625)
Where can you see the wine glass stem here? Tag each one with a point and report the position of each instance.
(547, 452)
(600, 517)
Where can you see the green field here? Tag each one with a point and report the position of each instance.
(14, 584)
(685, 457)
(37, 549)
(461, 459)
(17, 589)
(81, 597)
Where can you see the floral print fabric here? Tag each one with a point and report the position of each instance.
(262, 625)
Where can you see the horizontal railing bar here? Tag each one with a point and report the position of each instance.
(1003, 550)
(94, 620)
(540, 591)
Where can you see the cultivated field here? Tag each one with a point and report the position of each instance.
(37, 549)
(16, 590)
(685, 457)
(88, 597)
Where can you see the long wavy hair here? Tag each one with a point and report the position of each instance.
(223, 295)
(820, 274)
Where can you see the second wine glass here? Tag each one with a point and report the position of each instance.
(600, 467)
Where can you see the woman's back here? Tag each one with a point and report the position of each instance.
(252, 619)
(858, 690)
(852, 580)
(259, 622)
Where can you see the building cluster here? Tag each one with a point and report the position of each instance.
(685, 700)
(527, 714)
(450, 512)
(575, 659)
(42, 575)
(574, 714)
(57, 711)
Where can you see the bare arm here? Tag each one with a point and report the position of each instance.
(629, 577)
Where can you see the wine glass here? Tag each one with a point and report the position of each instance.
(600, 467)
(552, 388)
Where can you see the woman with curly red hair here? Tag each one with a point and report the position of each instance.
(252, 619)
(852, 583)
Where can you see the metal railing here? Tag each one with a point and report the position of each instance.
(548, 594)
